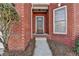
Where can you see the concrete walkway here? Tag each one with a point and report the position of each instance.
(42, 48)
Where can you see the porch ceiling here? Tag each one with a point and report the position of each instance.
(40, 6)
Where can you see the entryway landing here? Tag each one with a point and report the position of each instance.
(40, 35)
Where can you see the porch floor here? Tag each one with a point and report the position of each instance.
(41, 47)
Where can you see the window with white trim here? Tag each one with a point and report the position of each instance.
(60, 20)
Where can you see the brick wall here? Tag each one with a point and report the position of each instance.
(27, 22)
(76, 20)
(68, 38)
(45, 20)
(21, 32)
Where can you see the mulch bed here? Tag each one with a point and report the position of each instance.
(59, 49)
(28, 51)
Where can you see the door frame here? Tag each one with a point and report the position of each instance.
(36, 23)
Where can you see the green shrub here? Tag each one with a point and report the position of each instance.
(8, 15)
(77, 45)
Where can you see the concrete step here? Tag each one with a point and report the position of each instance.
(41, 35)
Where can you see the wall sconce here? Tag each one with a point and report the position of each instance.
(59, 4)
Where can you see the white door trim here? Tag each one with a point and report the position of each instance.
(36, 23)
